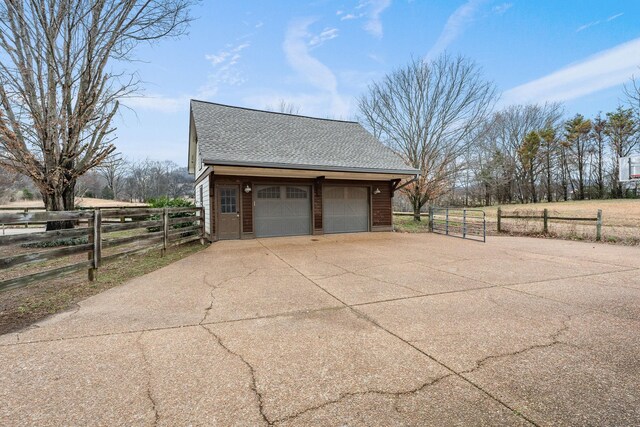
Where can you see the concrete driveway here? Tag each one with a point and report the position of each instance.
(365, 329)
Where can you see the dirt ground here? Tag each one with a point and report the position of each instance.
(391, 329)
(85, 202)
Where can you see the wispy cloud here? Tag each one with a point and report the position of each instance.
(598, 22)
(326, 34)
(348, 17)
(296, 48)
(370, 10)
(585, 26)
(616, 16)
(455, 26)
(608, 68)
(374, 23)
(224, 73)
(502, 8)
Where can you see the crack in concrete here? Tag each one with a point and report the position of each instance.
(342, 396)
(252, 373)
(554, 339)
(376, 324)
(148, 373)
(357, 273)
(207, 310)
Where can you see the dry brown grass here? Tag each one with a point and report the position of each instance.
(621, 220)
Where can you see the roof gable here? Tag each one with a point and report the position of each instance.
(234, 135)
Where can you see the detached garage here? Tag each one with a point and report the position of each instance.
(266, 174)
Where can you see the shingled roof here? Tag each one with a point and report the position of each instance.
(237, 136)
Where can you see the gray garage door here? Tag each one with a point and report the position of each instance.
(345, 209)
(282, 210)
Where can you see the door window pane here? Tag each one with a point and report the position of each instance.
(228, 200)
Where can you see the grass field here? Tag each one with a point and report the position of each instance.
(621, 220)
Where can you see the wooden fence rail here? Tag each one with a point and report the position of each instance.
(545, 218)
(147, 229)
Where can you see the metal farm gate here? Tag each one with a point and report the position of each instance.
(464, 223)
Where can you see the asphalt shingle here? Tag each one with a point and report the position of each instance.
(244, 136)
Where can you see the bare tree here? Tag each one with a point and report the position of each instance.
(114, 169)
(284, 107)
(506, 132)
(598, 135)
(429, 112)
(59, 90)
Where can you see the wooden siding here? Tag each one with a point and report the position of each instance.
(247, 209)
(317, 206)
(204, 203)
(381, 204)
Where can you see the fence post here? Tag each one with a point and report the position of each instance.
(464, 223)
(165, 231)
(599, 226)
(201, 214)
(545, 216)
(95, 239)
(499, 219)
(431, 219)
(446, 222)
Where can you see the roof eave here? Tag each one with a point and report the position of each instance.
(408, 172)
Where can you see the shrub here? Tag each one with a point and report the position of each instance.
(83, 240)
(27, 194)
(166, 202)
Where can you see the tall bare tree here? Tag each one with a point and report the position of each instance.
(599, 137)
(507, 131)
(60, 82)
(429, 112)
(114, 170)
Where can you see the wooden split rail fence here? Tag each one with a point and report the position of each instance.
(546, 218)
(100, 239)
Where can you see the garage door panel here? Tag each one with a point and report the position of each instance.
(282, 210)
(346, 209)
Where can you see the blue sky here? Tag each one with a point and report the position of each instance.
(321, 55)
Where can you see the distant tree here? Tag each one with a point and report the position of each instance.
(598, 135)
(59, 90)
(506, 132)
(284, 107)
(549, 150)
(429, 113)
(623, 131)
(530, 161)
(114, 169)
(577, 132)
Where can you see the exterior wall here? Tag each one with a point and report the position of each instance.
(317, 207)
(381, 207)
(380, 204)
(203, 187)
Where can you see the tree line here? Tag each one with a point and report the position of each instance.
(440, 116)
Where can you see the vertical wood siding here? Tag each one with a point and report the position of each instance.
(317, 206)
(381, 204)
(247, 208)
